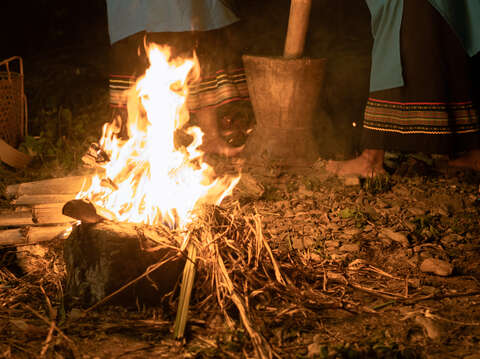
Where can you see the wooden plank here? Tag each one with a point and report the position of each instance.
(50, 213)
(13, 157)
(38, 199)
(32, 235)
(63, 185)
(13, 218)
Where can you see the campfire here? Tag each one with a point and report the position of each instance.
(150, 213)
(148, 178)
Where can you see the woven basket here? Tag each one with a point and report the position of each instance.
(13, 111)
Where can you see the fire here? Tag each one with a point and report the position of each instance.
(147, 178)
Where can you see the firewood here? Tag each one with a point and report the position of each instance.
(106, 257)
(95, 157)
(37, 199)
(13, 157)
(32, 235)
(50, 213)
(64, 185)
(16, 217)
(82, 210)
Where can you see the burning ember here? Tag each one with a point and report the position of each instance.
(148, 179)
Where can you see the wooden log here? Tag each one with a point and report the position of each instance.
(39, 199)
(54, 186)
(16, 217)
(32, 235)
(50, 213)
(104, 257)
(13, 157)
(82, 210)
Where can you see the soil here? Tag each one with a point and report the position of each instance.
(383, 268)
(354, 258)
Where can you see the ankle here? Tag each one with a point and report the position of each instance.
(373, 157)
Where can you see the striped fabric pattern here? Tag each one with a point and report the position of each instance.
(118, 86)
(223, 88)
(421, 117)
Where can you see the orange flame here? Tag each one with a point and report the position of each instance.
(150, 180)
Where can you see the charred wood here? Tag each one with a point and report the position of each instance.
(82, 210)
(104, 257)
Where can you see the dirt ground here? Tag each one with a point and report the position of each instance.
(387, 268)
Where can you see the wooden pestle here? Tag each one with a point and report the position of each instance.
(297, 28)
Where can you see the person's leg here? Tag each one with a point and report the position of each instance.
(434, 112)
(368, 164)
(471, 159)
(207, 120)
(127, 62)
(220, 96)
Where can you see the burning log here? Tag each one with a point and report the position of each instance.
(82, 210)
(32, 235)
(102, 258)
(95, 156)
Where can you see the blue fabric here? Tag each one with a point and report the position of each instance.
(462, 15)
(386, 63)
(127, 17)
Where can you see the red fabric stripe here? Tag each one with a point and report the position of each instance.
(419, 103)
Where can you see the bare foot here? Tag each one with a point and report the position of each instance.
(218, 146)
(212, 141)
(368, 164)
(470, 160)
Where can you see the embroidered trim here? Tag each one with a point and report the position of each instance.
(421, 118)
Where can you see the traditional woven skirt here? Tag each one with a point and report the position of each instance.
(437, 109)
(222, 80)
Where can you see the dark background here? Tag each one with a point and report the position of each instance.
(58, 37)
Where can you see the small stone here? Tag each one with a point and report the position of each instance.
(302, 243)
(452, 238)
(332, 244)
(315, 350)
(351, 248)
(351, 181)
(417, 211)
(396, 236)
(436, 266)
(432, 330)
(352, 231)
(249, 187)
(303, 191)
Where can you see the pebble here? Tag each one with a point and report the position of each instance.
(332, 244)
(396, 236)
(436, 266)
(353, 247)
(351, 181)
(432, 330)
